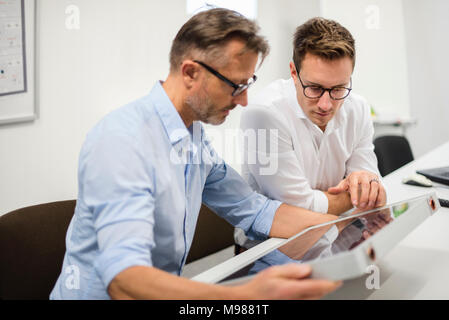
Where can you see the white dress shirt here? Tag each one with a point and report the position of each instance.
(309, 161)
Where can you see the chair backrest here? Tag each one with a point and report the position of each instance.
(392, 153)
(212, 234)
(32, 247)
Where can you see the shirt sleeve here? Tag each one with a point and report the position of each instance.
(227, 194)
(272, 162)
(321, 249)
(363, 156)
(116, 185)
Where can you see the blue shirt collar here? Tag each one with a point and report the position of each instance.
(171, 120)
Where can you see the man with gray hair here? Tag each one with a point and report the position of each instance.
(137, 207)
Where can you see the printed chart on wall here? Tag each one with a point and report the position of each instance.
(12, 44)
(16, 61)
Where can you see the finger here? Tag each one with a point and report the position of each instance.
(372, 227)
(366, 234)
(382, 197)
(379, 222)
(354, 190)
(312, 288)
(316, 288)
(373, 194)
(292, 270)
(339, 188)
(388, 218)
(364, 191)
(385, 216)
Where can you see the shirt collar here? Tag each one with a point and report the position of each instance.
(293, 100)
(171, 120)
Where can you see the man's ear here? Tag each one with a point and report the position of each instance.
(293, 72)
(189, 73)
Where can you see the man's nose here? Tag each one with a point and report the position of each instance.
(241, 99)
(325, 102)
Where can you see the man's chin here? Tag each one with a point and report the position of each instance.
(215, 120)
(321, 122)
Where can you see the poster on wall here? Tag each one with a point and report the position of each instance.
(17, 29)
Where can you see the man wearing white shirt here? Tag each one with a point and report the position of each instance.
(323, 131)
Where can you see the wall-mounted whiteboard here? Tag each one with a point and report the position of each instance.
(17, 61)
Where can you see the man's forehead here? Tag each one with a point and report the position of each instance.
(319, 71)
(241, 66)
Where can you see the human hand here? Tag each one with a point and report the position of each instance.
(365, 189)
(287, 282)
(375, 221)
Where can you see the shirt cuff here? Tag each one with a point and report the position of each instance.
(115, 260)
(264, 220)
(123, 245)
(320, 202)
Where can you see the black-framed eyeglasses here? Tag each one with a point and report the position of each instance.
(238, 88)
(315, 92)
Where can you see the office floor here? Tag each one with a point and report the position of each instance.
(203, 264)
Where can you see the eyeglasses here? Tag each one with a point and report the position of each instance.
(315, 92)
(238, 88)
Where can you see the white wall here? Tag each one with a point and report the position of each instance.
(118, 53)
(426, 26)
(380, 74)
(122, 48)
(402, 62)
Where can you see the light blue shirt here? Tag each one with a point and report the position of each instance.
(142, 178)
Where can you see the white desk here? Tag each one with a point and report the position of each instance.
(418, 267)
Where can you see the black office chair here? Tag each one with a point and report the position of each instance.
(32, 246)
(212, 234)
(392, 152)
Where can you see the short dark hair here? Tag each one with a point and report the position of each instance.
(322, 37)
(208, 31)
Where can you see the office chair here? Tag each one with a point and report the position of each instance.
(212, 234)
(32, 246)
(392, 152)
